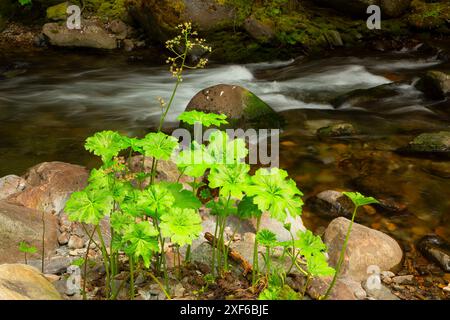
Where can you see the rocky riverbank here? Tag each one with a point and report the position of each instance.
(34, 203)
(237, 30)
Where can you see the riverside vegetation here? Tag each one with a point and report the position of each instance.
(147, 214)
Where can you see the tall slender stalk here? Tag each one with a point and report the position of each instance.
(106, 261)
(342, 255)
(131, 277)
(255, 253)
(86, 261)
(43, 242)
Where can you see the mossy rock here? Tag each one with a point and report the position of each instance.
(435, 84)
(430, 16)
(108, 9)
(58, 12)
(242, 107)
(438, 142)
(337, 130)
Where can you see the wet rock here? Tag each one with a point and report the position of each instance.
(166, 171)
(118, 28)
(334, 38)
(236, 102)
(10, 185)
(22, 224)
(366, 98)
(58, 12)
(73, 284)
(390, 8)
(159, 18)
(91, 35)
(366, 248)
(344, 289)
(22, 282)
(259, 30)
(49, 186)
(337, 130)
(330, 204)
(435, 84)
(436, 250)
(437, 142)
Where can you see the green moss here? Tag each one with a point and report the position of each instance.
(57, 12)
(259, 113)
(430, 16)
(432, 142)
(108, 9)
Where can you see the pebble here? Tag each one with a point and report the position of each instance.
(63, 238)
(75, 242)
(403, 279)
(447, 288)
(179, 290)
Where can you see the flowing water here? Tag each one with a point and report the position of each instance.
(50, 104)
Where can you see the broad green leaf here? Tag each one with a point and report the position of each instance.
(248, 209)
(267, 238)
(194, 161)
(279, 293)
(156, 198)
(307, 243)
(105, 144)
(181, 225)
(359, 200)
(142, 241)
(318, 266)
(134, 144)
(89, 206)
(224, 151)
(219, 208)
(121, 221)
(99, 179)
(159, 145)
(206, 119)
(273, 192)
(184, 199)
(231, 179)
(26, 248)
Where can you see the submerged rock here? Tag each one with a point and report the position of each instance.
(22, 282)
(436, 250)
(435, 84)
(91, 35)
(337, 130)
(239, 104)
(366, 247)
(436, 142)
(330, 204)
(22, 224)
(49, 186)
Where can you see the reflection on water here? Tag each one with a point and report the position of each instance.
(53, 103)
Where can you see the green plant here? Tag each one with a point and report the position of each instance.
(26, 248)
(25, 2)
(358, 200)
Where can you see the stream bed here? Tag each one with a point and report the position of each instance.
(50, 103)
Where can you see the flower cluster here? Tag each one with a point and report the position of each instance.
(181, 46)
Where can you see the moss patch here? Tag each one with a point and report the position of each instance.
(430, 16)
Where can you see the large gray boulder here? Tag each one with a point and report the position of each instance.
(91, 35)
(366, 248)
(389, 8)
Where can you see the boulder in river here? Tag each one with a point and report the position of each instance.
(390, 8)
(22, 282)
(19, 224)
(436, 142)
(436, 250)
(91, 35)
(49, 186)
(435, 84)
(260, 31)
(366, 247)
(238, 103)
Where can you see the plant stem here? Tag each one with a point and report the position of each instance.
(213, 271)
(43, 242)
(160, 285)
(255, 252)
(308, 280)
(131, 277)
(342, 255)
(106, 261)
(86, 262)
